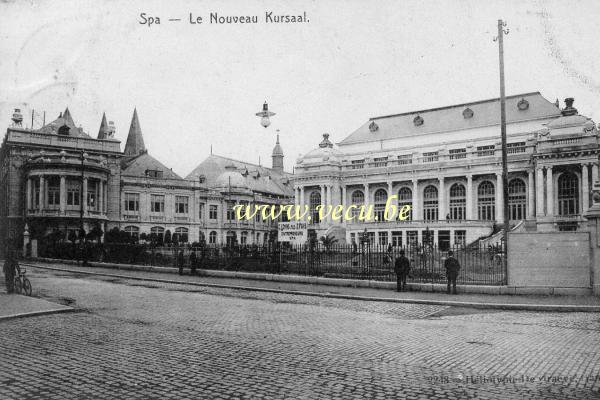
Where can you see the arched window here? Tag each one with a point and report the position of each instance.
(244, 238)
(157, 233)
(517, 199)
(379, 207)
(358, 199)
(486, 200)
(133, 231)
(182, 235)
(430, 203)
(405, 199)
(315, 200)
(458, 201)
(231, 238)
(212, 237)
(257, 238)
(568, 194)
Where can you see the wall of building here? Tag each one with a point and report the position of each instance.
(553, 259)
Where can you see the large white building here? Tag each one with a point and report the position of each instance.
(446, 164)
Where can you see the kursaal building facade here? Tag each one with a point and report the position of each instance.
(446, 164)
(59, 179)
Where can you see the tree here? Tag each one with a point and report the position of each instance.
(168, 239)
(328, 241)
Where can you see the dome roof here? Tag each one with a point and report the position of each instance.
(231, 178)
(325, 152)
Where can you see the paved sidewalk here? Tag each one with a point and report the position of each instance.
(18, 306)
(507, 302)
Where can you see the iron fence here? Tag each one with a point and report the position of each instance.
(479, 265)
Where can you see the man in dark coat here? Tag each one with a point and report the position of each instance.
(402, 268)
(180, 261)
(452, 267)
(193, 262)
(9, 269)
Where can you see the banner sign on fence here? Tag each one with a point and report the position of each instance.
(293, 232)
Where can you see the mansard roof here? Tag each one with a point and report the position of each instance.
(519, 108)
(135, 140)
(140, 164)
(257, 178)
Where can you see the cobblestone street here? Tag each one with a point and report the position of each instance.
(135, 339)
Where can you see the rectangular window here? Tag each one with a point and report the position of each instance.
(36, 193)
(152, 173)
(397, 239)
(431, 156)
(460, 238)
(380, 161)
(456, 154)
(92, 195)
(383, 238)
(53, 192)
(157, 203)
(358, 164)
(213, 211)
(483, 151)
(517, 147)
(412, 238)
(73, 193)
(181, 204)
(405, 159)
(132, 202)
(230, 211)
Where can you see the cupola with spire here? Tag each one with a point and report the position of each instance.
(135, 141)
(277, 156)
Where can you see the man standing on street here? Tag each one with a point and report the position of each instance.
(193, 262)
(180, 261)
(9, 271)
(452, 267)
(402, 268)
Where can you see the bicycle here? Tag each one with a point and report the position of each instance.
(22, 284)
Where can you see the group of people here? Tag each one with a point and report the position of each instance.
(402, 269)
(194, 262)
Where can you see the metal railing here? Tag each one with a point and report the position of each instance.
(479, 265)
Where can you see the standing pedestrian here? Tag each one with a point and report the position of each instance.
(9, 271)
(402, 268)
(180, 261)
(452, 267)
(193, 262)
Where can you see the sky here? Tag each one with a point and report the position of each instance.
(200, 85)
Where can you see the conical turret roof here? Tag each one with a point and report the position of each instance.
(103, 132)
(135, 140)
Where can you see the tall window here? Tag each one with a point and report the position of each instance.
(201, 237)
(517, 199)
(379, 207)
(73, 192)
(201, 211)
(132, 202)
(358, 199)
(458, 201)
(36, 193)
(397, 239)
(157, 203)
(405, 199)
(315, 200)
(231, 238)
(568, 194)
(213, 211)
(230, 212)
(133, 231)
(244, 238)
(212, 237)
(430, 203)
(53, 191)
(486, 199)
(159, 231)
(92, 194)
(182, 234)
(181, 204)
(383, 238)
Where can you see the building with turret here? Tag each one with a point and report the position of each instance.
(59, 180)
(446, 164)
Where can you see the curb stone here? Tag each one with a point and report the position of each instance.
(477, 305)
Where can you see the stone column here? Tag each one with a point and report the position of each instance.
(499, 199)
(593, 226)
(539, 192)
(84, 195)
(323, 200)
(344, 197)
(470, 196)
(550, 193)
(594, 173)
(585, 188)
(441, 200)
(301, 197)
(328, 191)
(416, 209)
(42, 190)
(530, 196)
(367, 199)
(63, 194)
(28, 195)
